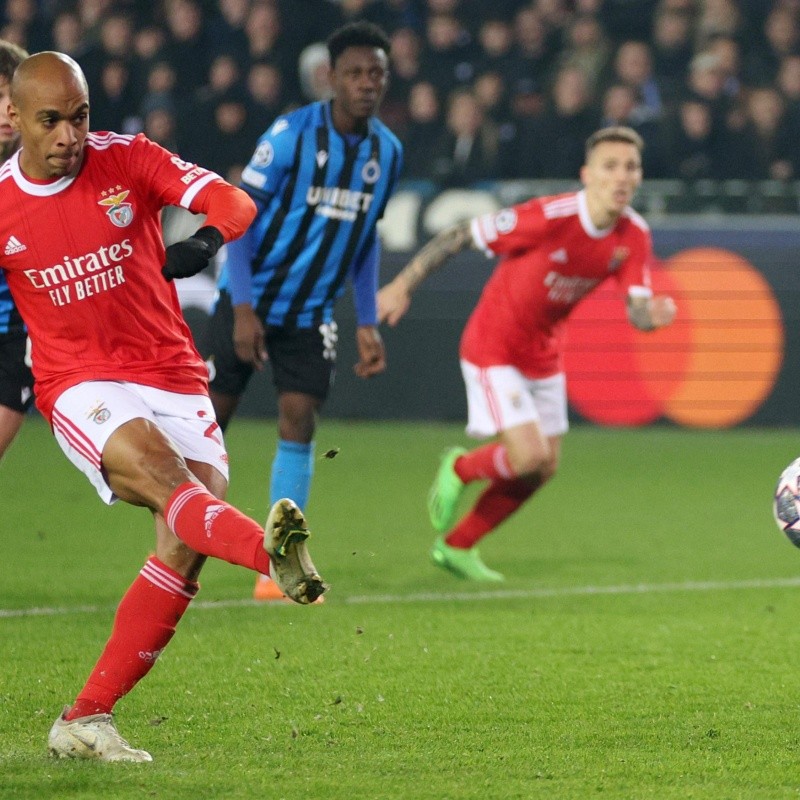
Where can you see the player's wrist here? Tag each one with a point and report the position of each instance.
(210, 236)
(405, 283)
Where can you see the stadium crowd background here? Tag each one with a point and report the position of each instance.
(481, 89)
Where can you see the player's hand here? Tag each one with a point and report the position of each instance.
(393, 300)
(662, 310)
(371, 352)
(248, 336)
(190, 256)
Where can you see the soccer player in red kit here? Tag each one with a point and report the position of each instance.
(553, 251)
(117, 375)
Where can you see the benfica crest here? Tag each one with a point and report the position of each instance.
(618, 256)
(118, 211)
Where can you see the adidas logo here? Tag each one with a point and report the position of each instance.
(212, 512)
(559, 256)
(14, 245)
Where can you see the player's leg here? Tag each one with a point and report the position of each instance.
(497, 398)
(303, 369)
(530, 417)
(293, 465)
(10, 423)
(133, 441)
(16, 388)
(149, 612)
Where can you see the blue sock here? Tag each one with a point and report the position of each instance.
(292, 469)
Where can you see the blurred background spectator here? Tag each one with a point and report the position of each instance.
(480, 89)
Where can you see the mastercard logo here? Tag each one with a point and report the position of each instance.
(712, 368)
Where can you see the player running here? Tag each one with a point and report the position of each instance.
(117, 376)
(553, 251)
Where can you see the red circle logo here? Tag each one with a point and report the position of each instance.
(712, 368)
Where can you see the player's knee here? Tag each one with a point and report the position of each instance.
(535, 463)
(548, 470)
(297, 426)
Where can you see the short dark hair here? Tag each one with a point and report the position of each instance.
(11, 56)
(614, 133)
(356, 34)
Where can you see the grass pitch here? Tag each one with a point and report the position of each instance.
(643, 646)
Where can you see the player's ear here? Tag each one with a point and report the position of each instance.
(13, 116)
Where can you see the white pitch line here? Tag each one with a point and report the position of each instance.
(460, 597)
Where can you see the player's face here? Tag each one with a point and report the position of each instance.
(7, 132)
(52, 118)
(611, 175)
(359, 81)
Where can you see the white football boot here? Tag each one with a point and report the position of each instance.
(290, 565)
(94, 736)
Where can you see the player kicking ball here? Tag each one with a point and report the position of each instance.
(117, 376)
(552, 252)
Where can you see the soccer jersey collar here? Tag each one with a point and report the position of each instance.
(327, 115)
(586, 221)
(42, 189)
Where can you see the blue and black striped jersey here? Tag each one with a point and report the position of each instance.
(10, 320)
(320, 196)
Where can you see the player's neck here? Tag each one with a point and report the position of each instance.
(602, 218)
(347, 125)
(33, 174)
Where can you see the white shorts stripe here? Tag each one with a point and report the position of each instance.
(88, 414)
(77, 440)
(501, 397)
(491, 399)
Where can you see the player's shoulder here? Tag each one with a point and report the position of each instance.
(385, 133)
(636, 220)
(118, 148)
(558, 206)
(293, 123)
(108, 140)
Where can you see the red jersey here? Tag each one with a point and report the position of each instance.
(83, 257)
(551, 256)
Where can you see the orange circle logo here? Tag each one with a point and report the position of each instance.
(712, 368)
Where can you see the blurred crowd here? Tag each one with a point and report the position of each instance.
(480, 90)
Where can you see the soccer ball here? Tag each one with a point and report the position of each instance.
(786, 504)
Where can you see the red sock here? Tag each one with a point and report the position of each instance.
(144, 623)
(215, 528)
(489, 461)
(498, 502)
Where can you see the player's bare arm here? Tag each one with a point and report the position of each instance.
(649, 313)
(394, 299)
(248, 336)
(371, 352)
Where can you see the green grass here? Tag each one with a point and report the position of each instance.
(631, 653)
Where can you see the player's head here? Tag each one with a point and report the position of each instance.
(612, 171)
(10, 58)
(50, 109)
(359, 61)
